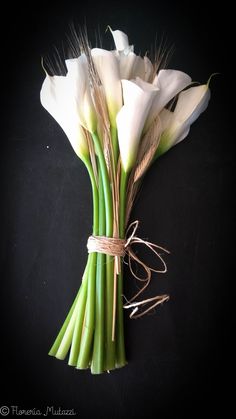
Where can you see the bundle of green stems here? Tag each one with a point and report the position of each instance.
(93, 332)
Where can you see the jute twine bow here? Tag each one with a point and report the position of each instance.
(119, 248)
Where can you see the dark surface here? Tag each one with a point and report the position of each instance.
(179, 358)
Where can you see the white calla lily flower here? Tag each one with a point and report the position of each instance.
(131, 119)
(131, 65)
(170, 83)
(56, 99)
(107, 66)
(176, 125)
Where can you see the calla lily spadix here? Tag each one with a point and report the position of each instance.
(105, 95)
(176, 125)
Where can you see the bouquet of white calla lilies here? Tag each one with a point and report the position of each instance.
(119, 115)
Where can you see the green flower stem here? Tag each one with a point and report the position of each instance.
(97, 366)
(106, 186)
(84, 355)
(110, 345)
(60, 335)
(95, 196)
(76, 339)
(66, 333)
(88, 327)
(120, 344)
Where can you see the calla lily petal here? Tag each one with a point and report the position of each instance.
(172, 131)
(192, 102)
(127, 64)
(56, 99)
(52, 95)
(124, 53)
(121, 39)
(145, 85)
(170, 83)
(78, 141)
(166, 118)
(77, 68)
(139, 68)
(173, 81)
(78, 86)
(107, 66)
(131, 119)
(176, 125)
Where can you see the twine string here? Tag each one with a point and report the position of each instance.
(119, 248)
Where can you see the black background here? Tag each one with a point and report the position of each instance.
(180, 358)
